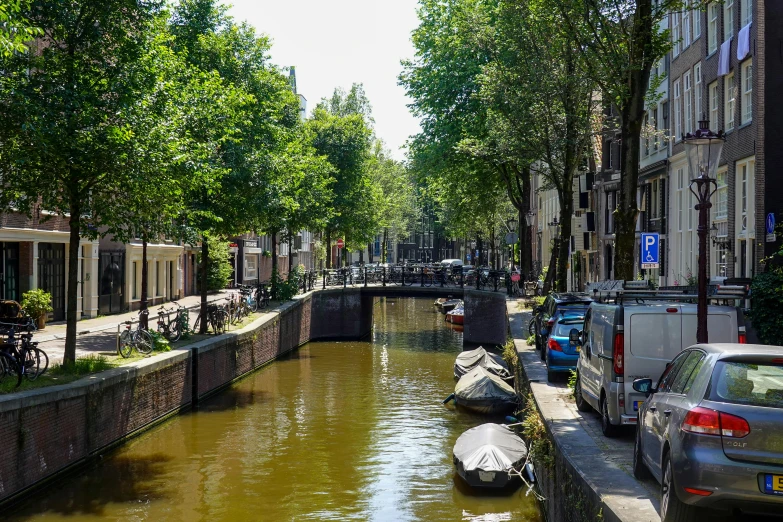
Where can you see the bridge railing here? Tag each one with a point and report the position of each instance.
(423, 276)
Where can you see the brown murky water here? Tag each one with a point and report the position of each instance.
(338, 431)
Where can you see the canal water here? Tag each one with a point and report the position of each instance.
(337, 431)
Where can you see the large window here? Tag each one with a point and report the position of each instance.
(677, 112)
(747, 91)
(722, 196)
(680, 200)
(729, 93)
(687, 109)
(655, 199)
(698, 110)
(728, 19)
(686, 27)
(712, 27)
(721, 260)
(745, 170)
(747, 12)
(676, 38)
(714, 103)
(696, 20)
(611, 204)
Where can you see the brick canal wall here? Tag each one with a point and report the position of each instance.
(47, 431)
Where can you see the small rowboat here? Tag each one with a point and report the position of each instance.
(439, 302)
(450, 305)
(456, 316)
(484, 392)
(470, 359)
(484, 455)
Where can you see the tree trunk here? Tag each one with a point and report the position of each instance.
(552, 270)
(328, 249)
(69, 357)
(526, 233)
(385, 249)
(143, 322)
(204, 272)
(627, 210)
(564, 244)
(290, 252)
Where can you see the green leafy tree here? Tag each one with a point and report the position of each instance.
(16, 28)
(618, 42)
(67, 118)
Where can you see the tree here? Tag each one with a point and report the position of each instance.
(16, 29)
(344, 141)
(66, 129)
(619, 42)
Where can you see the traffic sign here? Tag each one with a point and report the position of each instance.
(468, 256)
(512, 238)
(340, 243)
(771, 238)
(650, 251)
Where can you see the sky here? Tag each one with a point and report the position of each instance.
(335, 43)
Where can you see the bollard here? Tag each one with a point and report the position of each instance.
(194, 377)
(365, 276)
(383, 276)
(345, 278)
(324, 279)
(422, 277)
(461, 278)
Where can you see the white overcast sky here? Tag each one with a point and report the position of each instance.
(334, 43)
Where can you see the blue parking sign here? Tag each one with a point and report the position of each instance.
(650, 252)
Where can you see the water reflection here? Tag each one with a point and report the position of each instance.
(338, 431)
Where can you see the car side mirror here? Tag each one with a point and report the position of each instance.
(573, 337)
(644, 386)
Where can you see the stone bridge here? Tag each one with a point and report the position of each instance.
(346, 313)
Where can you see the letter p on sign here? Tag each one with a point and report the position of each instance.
(650, 254)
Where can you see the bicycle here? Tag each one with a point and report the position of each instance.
(137, 338)
(22, 357)
(169, 328)
(262, 295)
(217, 319)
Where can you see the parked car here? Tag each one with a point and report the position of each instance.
(710, 431)
(546, 315)
(562, 351)
(623, 342)
(453, 263)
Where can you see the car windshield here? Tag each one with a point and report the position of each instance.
(757, 384)
(563, 329)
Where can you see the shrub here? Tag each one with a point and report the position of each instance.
(220, 269)
(767, 308)
(36, 303)
(160, 343)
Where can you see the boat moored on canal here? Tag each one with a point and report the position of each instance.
(492, 362)
(483, 392)
(456, 316)
(489, 456)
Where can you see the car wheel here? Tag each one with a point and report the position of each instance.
(640, 470)
(550, 375)
(607, 428)
(672, 508)
(581, 403)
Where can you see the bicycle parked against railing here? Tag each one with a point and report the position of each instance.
(263, 295)
(137, 338)
(20, 356)
(170, 328)
(217, 319)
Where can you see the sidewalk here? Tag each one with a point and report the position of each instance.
(98, 336)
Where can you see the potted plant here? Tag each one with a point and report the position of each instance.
(37, 303)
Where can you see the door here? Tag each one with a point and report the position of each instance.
(112, 270)
(51, 275)
(589, 359)
(9, 271)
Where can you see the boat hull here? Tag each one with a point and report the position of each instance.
(486, 406)
(484, 479)
(455, 318)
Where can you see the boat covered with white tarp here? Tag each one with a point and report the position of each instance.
(484, 455)
(484, 392)
(470, 359)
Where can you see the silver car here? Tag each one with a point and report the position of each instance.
(711, 433)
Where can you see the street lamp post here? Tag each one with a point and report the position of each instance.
(704, 148)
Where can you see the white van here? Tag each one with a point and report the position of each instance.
(453, 263)
(624, 342)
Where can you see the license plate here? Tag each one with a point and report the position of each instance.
(773, 484)
(486, 476)
(637, 405)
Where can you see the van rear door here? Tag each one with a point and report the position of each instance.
(654, 338)
(721, 325)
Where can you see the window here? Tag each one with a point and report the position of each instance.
(656, 128)
(712, 28)
(747, 91)
(728, 19)
(745, 172)
(677, 115)
(159, 278)
(646, 136)
(752, 382)
(686, 27)
(722, 196)
(251, 266)
(721, 260)
(683, 376)
(670, 372)
(680, 201)
(698, 110)
(687, 109)
(729, 90)
(676, 34)
(714, 101)
(747, 12)
(696, 21)
(135, 280)
(655, 201)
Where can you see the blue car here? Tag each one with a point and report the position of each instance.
(561, 355)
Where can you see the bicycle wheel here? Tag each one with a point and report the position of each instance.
(126, 344)
(174, 332)
(36, 363)
(143, 341)
(531, 328)
(252, 304)
(221, 320)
